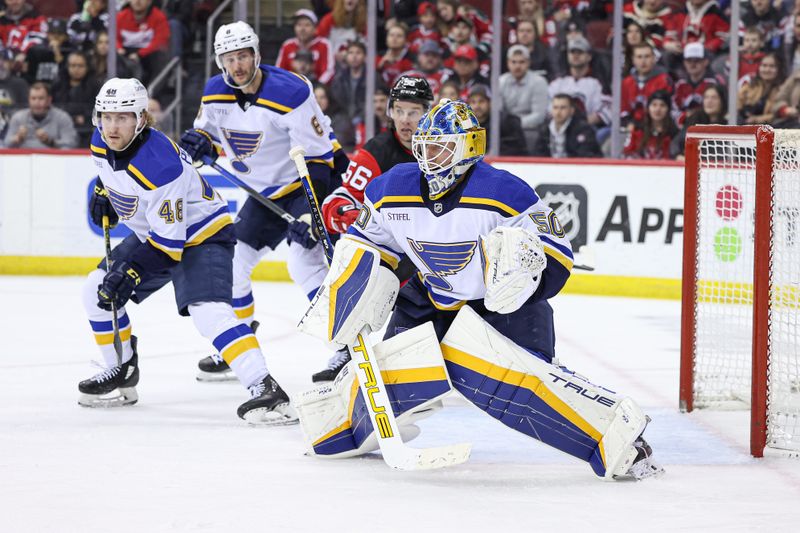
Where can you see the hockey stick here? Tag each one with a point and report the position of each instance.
(114, 318)
(260, 198)
(584, 259)
(395, 452)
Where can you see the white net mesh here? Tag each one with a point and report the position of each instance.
(723, 308)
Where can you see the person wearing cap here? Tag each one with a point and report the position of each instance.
(465, 67)
(566, 134)
(427, 30)
(45, 62)
(582, 85)
(689, 89)
(523, 93)
(303, 64)
(305, 39)
(652, 139)
(429, 66)
(395, 60)
(512, 136)
(646, 78)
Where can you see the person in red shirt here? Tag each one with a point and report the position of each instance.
(396, 58)
(346, 22)
(652, 15)
(652, 139)
(21, 27)
(305, 27)
(702, 21)
(450, 10)
(645, 79)
(688, 91)
(143, 36)
(427, 29)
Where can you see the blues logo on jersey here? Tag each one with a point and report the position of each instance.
(244, 144)
(124, 205)
(443, 259)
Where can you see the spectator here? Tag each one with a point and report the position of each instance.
(46, 62)
(21, 27)
(787, 102)
(342, 126)
(179, 18)
(84, 26)
(634, 35)
(346, 22)
(585, 89)
(751, 53)
(305, 38)
(380, 104)
(713, 111)
(566, 134)
(523, 93)
(645, 79)
(512, 138)
(303, 63)
(652, 16)
(41, 125)
(449, 90)
(653, 139)
(429, 66)
(541, 58)
(465, 66)
(75, 93)
(143, 36)
(791, 47)
(449, 10)
(427, 30)
(763, 15)
(689, 89)
(757, 95)
(99, 61)
(702, 21)
(349, 89)
(461, 35)
(13, 90)
(529, 11)
(163, 122)
(395, 60)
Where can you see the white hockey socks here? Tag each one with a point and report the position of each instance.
(102, 323)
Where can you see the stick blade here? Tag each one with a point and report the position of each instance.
(407, 458)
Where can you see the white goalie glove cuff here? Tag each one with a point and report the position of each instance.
(356, 292)
(514, 260)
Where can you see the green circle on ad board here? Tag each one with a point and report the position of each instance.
(727, 244)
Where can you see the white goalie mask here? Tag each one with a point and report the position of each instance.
(121, 95)
(236, 36)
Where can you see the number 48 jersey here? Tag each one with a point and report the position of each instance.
(159, 195)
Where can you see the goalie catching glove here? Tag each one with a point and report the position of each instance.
(357, 292)
(515, 260)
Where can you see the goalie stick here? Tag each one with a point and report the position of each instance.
(114, 315)
(395, 452)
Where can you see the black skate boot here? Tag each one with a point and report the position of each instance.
(214, 368)
(335, 365)
(644, 466)
(113, 387)
(268, 405)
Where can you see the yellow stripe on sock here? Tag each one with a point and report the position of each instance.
(239, 347)
(108, 338)
(245, 312)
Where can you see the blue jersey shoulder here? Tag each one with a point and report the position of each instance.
(217, 91)
(97, 145)
(282, 91)
(156, 163)
(500, 188)
(401, 180)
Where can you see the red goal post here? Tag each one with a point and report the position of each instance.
(740, 319)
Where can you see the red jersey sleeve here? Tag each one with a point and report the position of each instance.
(363, 168)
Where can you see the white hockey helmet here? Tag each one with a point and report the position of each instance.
(121, 95)
(235, 36)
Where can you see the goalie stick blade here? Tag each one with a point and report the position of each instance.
(402, 457)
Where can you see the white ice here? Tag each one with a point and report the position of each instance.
(180, 460)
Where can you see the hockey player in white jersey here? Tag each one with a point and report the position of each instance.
(490, 254)
(256, 113)
(182, 232)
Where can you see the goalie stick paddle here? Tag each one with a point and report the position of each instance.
(395, 452)
(114, 316)
(260, 198)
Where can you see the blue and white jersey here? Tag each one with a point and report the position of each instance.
(257, 136)
(159, 195)
(443, 237)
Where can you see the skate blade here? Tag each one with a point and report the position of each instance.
(216, 377)
(282, 415)
(116, 398)
(646, 468)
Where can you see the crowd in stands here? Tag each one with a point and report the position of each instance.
(554, 92)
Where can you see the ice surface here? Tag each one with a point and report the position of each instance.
(181, 460)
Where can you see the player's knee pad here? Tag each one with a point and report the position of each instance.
(93, 280)
(356, 292)
(212, 318)
(546, 402)
(334, 417)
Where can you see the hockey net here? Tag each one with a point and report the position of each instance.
(740, 326)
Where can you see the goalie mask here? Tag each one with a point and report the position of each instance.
(448, 141)
(236, 36)
(121, 95)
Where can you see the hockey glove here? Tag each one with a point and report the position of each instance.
(300, 232)
(515, 260)
(197, 144)
(118, 285)
(100, 206)
(338, 213)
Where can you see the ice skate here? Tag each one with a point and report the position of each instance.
(643, 465)
(335, 365)
(214, 368)
(268, 405)
(113, 387)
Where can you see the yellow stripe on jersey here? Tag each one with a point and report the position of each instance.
(218, 97)
(336, 145)
(103, 339)
(174, 254)
(329, 163)
(486, 201)
(283, 191)
(97, 149)
(387, 258)
(407, 199)
(146, 182)
(273, 105)
(565, 261)
(209, 230)
(235, 349)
